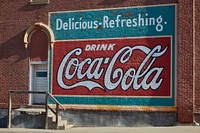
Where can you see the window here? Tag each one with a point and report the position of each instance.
(39, 2)
(41, 74)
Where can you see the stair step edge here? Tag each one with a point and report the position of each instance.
(65, 127)
(63, 122)
(54, 118)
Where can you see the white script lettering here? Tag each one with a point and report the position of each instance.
(113, 76)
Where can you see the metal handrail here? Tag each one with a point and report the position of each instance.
(56, 101)
(48, 95)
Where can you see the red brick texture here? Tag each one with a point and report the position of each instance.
(17, 16)
(197, 55)
(38, 46)
(185, 61)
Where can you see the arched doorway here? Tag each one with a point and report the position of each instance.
(38, 41)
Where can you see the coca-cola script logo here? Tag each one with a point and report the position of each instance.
(105, 66)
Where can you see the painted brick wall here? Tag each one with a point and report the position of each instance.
(17, 16)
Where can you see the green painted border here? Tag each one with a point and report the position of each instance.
(123, 101)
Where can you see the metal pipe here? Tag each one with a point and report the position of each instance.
(9, 109)
(46, 110)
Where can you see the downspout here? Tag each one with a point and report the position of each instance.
(194, 60)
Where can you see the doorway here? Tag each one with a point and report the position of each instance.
(39, 82)
(38, 39)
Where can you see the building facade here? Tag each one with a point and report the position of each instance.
(108, 62)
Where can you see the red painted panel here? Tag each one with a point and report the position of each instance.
(113, 67)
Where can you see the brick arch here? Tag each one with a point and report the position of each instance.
(35, 27)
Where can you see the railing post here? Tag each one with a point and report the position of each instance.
(46, 110)
(9, 109)
(57, 109)
(20, 92)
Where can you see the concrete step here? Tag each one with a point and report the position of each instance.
(63, 122)
(51, 125)
(52, 121)
(52, 117)
(63, 125)
(31, 111)
(40, 111)
(35, 106)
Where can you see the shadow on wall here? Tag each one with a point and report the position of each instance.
(3, 122)
(14, 47)
(112, 2)
(28, 121)
(138, 3)
(3, 118)
(29, 7)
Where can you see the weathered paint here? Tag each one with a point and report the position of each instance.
(113, 23)
(80, 67)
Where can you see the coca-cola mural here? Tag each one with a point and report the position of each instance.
(97, 68)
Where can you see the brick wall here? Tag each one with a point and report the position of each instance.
(185, 61)
(17, 16)
(13, 57)
(197, 54)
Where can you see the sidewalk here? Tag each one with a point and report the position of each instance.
(174, 129)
